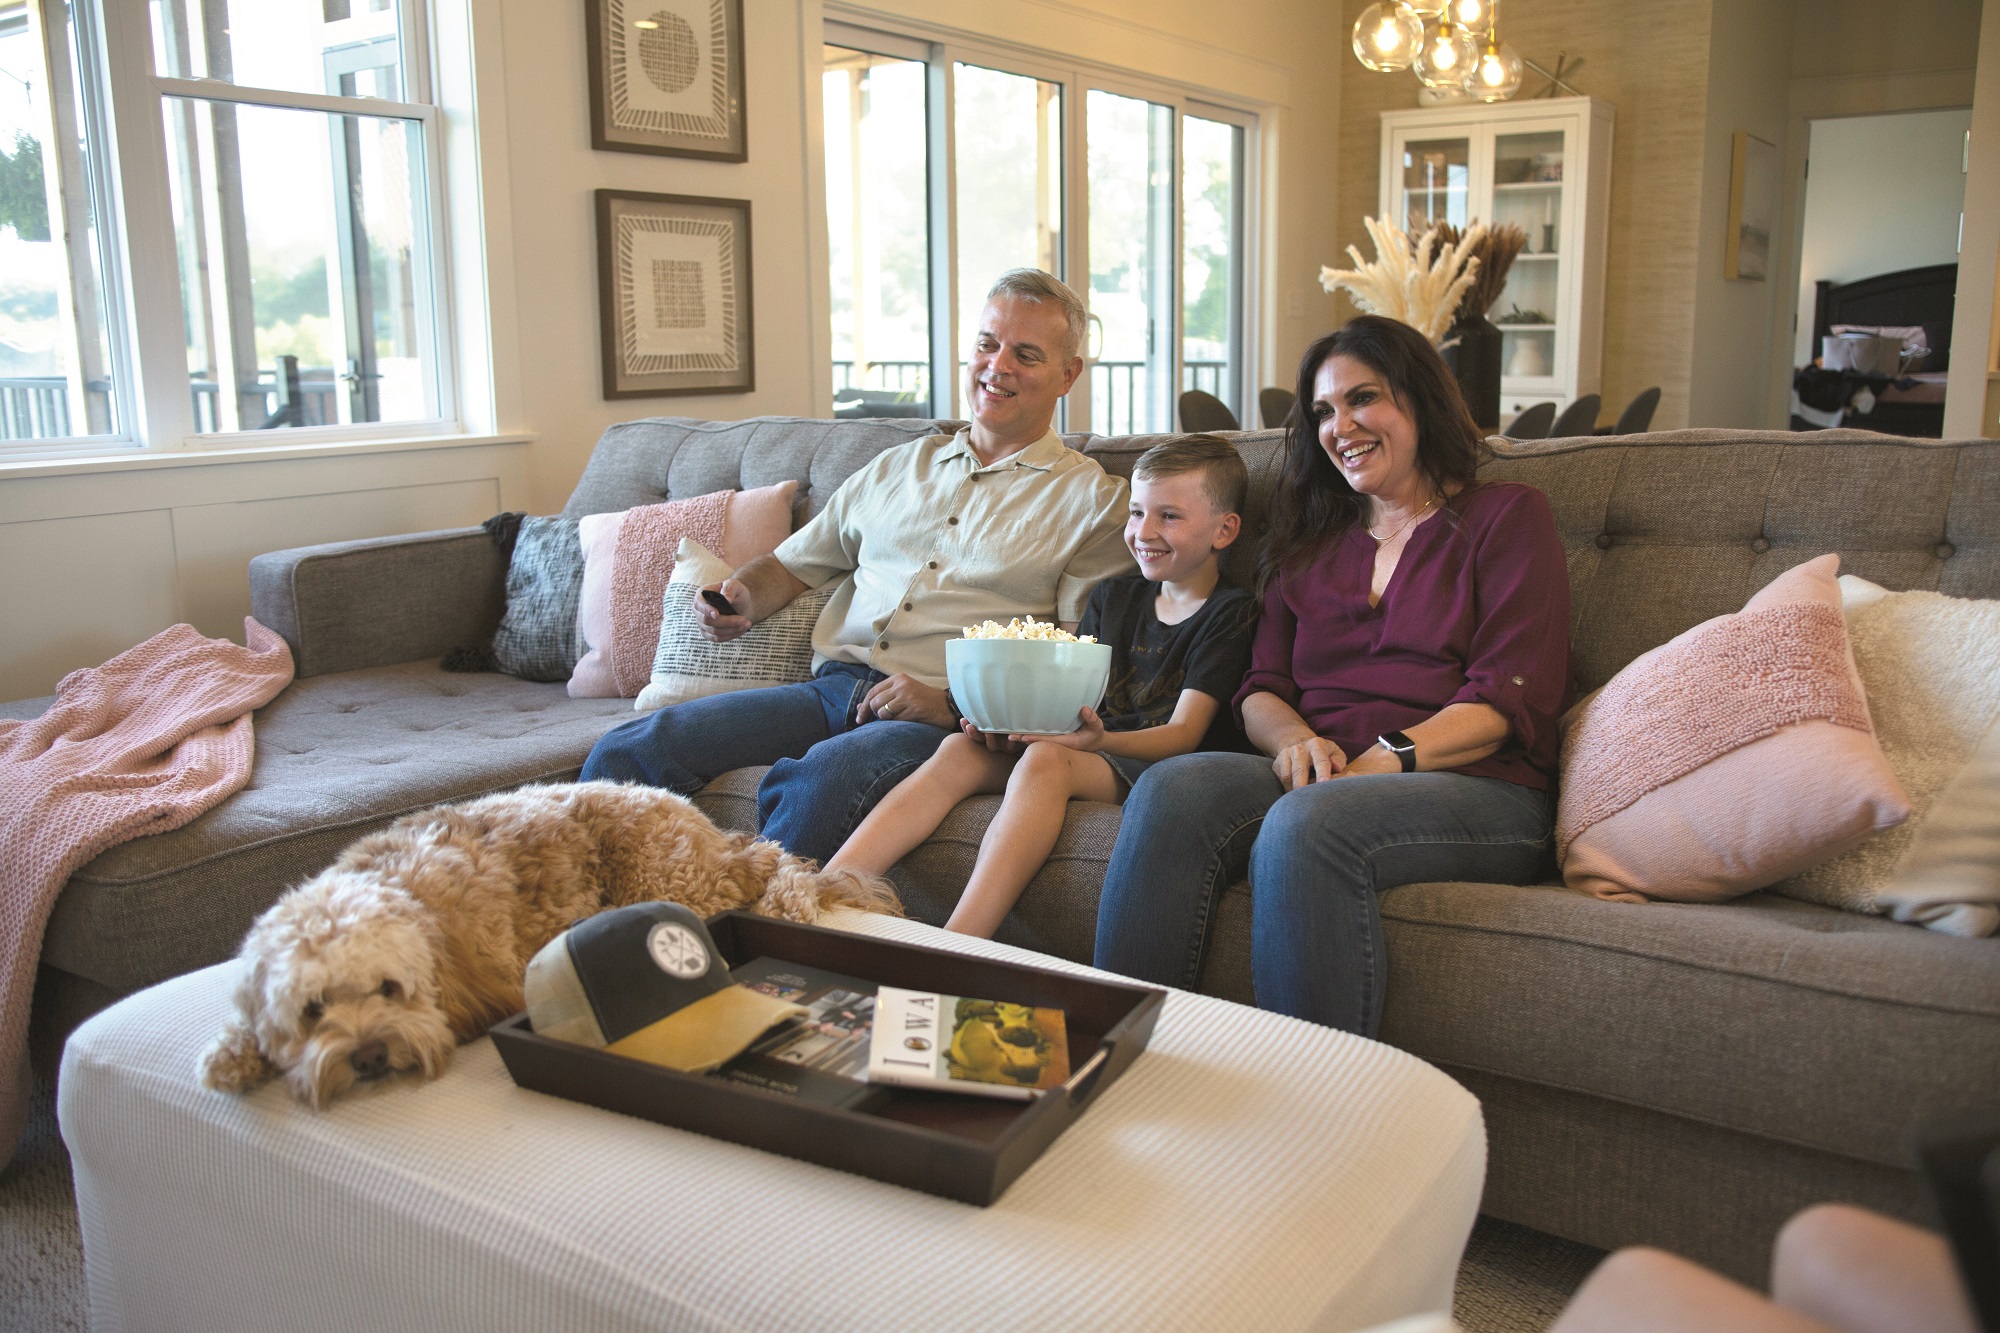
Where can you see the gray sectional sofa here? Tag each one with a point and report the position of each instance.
(1686, 1076)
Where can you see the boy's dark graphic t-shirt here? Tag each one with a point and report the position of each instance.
(1152, 663)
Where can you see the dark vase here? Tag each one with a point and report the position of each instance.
(1474, 357)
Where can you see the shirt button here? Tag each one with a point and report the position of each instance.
(1603, 541)
(1760, 546)
(1519, 681)
(881, 643)
(953, 520)
(1945, 550)
(933, 564)
(909, 606)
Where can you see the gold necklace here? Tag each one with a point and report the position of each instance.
(1405, 525)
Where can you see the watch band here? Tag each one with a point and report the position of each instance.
(1405, 749)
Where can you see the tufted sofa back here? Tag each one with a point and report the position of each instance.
(1665, 530)
(1662, 530)
(671, 458)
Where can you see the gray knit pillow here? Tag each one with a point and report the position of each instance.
(537, 638)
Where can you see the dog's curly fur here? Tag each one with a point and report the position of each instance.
(417, 937)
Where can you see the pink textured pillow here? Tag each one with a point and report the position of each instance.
(1727, 758)
(626, 567)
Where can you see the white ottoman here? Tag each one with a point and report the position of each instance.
(1249, 1171)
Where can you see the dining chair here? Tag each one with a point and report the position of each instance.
(1638, 413)
(1204, 411)
(1274, 405)
(1532, 424)
(1579, 418)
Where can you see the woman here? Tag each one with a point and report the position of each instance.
(1404, 688)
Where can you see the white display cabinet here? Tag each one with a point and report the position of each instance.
(1544, 165)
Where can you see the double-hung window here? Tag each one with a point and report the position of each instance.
(946, 165)
(270, 259)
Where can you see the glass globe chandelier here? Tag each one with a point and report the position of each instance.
(1496, 75)
(1453, 46)
(1387, 35)
(1446, 57)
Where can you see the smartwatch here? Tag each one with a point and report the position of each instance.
(1405, 749)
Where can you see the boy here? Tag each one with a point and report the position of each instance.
(1180, 643)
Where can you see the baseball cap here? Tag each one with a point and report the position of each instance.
(647, 981)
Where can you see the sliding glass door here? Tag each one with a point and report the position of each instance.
(1008, 131)
(944, 169)
(878, 232)
(1132, 382)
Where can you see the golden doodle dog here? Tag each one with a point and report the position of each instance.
(417, 937)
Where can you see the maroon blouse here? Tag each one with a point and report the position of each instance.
(1476, 612)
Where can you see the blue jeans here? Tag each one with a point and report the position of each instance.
(1316, 858)
(826, 773)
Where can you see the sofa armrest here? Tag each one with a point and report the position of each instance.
(349, 605)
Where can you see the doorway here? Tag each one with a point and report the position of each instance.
(1883, 193)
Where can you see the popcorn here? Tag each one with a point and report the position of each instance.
(1038, 631)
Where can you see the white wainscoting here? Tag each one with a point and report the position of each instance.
(95, 561)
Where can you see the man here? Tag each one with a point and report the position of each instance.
(997, 521)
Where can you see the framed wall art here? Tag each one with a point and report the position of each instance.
(674, 294)
(1753, 208)
(666, 76)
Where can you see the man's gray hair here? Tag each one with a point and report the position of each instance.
(1032, 284)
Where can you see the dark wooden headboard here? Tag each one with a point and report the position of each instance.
(1911, 296)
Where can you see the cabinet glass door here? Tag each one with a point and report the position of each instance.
(1528, 184)
(1437, 183)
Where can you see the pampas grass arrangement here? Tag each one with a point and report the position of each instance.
(1495, 252)
(1421, 283)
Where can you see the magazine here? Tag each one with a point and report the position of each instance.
(957, 1044)
(822, 1057)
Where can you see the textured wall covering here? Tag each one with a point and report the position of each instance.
(1651, 63)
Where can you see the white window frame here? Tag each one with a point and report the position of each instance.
(943, 50)
(124, 112)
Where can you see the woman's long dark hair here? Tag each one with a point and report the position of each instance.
(1313, 505)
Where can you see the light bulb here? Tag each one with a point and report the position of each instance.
(1386, 36)
(1471, 14)
(1497, 76)
(1445, 60)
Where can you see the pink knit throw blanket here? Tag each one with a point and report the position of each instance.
(1715, 689)
(139, 745)
(648, 538)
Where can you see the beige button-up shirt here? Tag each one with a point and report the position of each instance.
(930, 542)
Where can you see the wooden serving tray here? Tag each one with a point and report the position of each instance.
(962, 1147)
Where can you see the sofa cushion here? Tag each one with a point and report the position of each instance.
(337, 756)
(1764, 1015)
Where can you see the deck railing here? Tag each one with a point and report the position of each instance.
(1117, 388)
(36, 407)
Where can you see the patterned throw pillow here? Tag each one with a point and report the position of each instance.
(777, 651)
(537, 638)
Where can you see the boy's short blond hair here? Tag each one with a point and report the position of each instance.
(1223, 474)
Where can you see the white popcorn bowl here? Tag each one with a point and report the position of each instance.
(1026, 687)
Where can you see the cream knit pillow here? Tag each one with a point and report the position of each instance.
(1927, 662)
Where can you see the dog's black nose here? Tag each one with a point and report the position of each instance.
(370, 1059)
